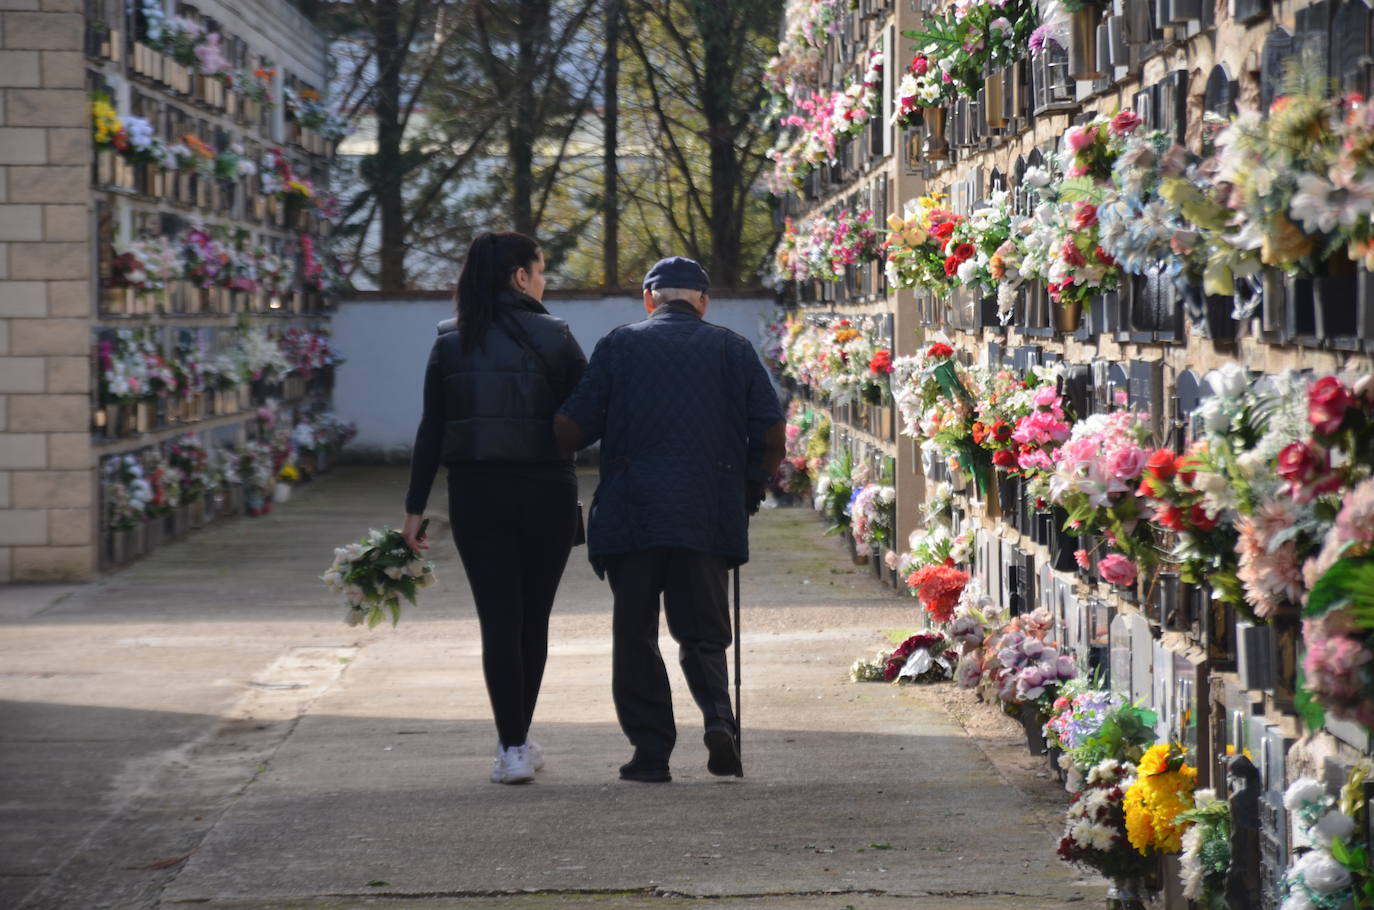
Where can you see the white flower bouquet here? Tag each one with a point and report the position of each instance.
(375, 574)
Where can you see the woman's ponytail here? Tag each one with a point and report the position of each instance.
(491, 261)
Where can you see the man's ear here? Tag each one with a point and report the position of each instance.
(703, 302)
(648, 301)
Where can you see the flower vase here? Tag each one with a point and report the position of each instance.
(282, 492)
(1067, 314)
(1083, 43)
(936, 147)
(1127, 894)
(994, 102)
(1029, 715)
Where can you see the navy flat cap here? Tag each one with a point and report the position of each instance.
(677, 272)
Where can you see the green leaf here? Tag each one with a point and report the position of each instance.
(1312, 713)
(1350, 581)
(377, 883)
(1340, 851)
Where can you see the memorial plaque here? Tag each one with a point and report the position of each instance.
(1255, 658)
(1219, 97)
(1273, 839)
(1187, 396)
(1142, 660)
(1162, 690)
(1350, 46)
(1121, 655)
(1146, 388)
(1278, 47)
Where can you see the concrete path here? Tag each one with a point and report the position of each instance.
(202, 729)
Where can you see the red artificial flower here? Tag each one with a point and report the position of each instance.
(1071, 254)
(964, 251)
(939, 588)
(1104, 257)
(951, 266)
(881, 362)
(1163, 464)
(979, 431)
(1004, 458)
(1168, 516)
(919, 65)
(1300, 463)
(1124, 123)
(1001, 431)
(1327, 402)
(943, 230)
(1198, 518)
(940, 349)
(1084, 215)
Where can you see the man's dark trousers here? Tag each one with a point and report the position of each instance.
(693, 588)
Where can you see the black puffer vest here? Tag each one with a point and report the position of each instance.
(500, 398)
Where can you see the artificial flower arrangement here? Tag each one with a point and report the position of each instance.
(1095, 834)
(1018, 666)
(924, 85)
(834, 491)
(821, 121)
(1332, 868)
(1161, 793)
(838, 358)
(935, 395)
(1206, 854)
(873, 516)
(192, 45)
(823, 247)
(125, 491)
(147, 265)
(306, 108)
(807, 445)
(376, 574)
(917, 243)
(975, 241)
(974, 36)
(926, 657)
(279, 179)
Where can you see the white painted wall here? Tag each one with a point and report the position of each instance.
(386, 343)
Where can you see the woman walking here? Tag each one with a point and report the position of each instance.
(496, 375)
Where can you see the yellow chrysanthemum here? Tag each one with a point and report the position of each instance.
(1163, 789)
(104, 121)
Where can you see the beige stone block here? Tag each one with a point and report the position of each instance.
(23, 298)
(49, 184)
(23, 526)
(69, 298)
(4, 336)
(21, 68)
(38, 261)
(70, 147)
(44, 31)
(18, 4)
(6, 573)
(4, 412)
(23, 450)
(4, 171)
(21, 222)
(51, 489)
(63, 69)
(63, 6)
(22, 374)
(70, 451)
(53, 564)
(45, 107)
(23, 144)
(64, 222)
(71, 527)
(4, 489)
(4, 261)
(30, 337)
(66, 374)
(49, 413)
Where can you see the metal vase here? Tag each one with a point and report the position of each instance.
(1067, 314)
(936, 147)
(994, 101)
(1083, 43)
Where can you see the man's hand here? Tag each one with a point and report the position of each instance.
(753, 497)
(411, 532)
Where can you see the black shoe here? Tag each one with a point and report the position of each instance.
(645, 771)
(724, 760)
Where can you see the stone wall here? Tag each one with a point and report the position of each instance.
(47, 479)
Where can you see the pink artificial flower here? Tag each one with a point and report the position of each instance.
(1126, 463)
(1071, 255)
(1117, 569)
(1081, 137)
(1084, 215)
(1124, 123)
(1081, 557)
(1045, 397)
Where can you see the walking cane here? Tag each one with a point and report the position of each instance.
(739, 725)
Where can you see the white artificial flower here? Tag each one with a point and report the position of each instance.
(1190, 866)
(1333, 825)
(968, 271)
(393, 572)
(1302, 791)
(1320, 872)
(1229, 381)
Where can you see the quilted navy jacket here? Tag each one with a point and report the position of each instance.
(681, 407)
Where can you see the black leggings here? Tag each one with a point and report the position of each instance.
(513, 525)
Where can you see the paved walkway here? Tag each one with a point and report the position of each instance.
(202, 729)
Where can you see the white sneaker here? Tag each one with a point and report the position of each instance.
(536, 754)
(512, 766)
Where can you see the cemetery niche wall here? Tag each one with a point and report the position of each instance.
(1078, 336)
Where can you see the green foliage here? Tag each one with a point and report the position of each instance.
(1347, 585)
(1125, 734)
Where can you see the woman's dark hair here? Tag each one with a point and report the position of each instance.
(492, 259)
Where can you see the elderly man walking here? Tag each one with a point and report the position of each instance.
(690, 432)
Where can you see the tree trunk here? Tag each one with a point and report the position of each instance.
(725, 219)
(532, 16)
(610, 206)
(387, 173)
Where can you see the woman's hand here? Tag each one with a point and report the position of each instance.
(415, 539)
